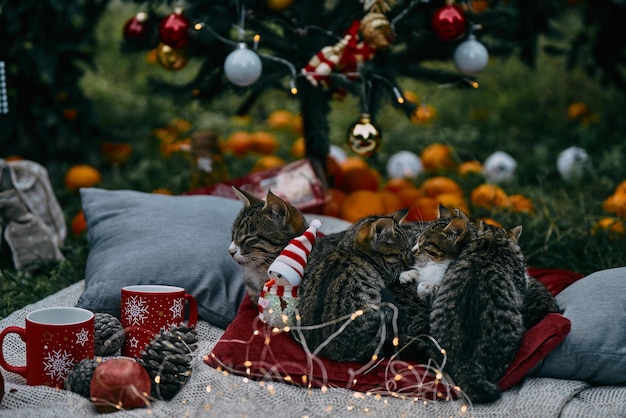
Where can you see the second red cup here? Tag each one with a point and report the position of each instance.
(147, 309)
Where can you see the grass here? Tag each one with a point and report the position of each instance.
(518, 110)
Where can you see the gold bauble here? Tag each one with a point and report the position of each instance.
(364, 137)
(172, 59)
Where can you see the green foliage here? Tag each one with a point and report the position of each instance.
(520, 110)
(47, 44)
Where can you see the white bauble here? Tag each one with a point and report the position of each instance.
(243, 66)
(471, 57)
(404, 164)
(499, 167)
(572, 163)
(338, 153)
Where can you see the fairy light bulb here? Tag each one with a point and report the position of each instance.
(243, 66)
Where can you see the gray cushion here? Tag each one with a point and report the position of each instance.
(595, 348)
(144, 238)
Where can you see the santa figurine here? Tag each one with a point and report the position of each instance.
(279, 298)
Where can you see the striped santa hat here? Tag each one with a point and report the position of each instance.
(292, 259)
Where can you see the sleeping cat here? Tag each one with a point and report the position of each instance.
(477, 308)
(346, 289)
(260, 231)
(434, 256)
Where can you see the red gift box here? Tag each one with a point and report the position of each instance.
(297, 183)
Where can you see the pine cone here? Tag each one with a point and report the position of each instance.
(79, 378)
(109, 334)
(168, 360)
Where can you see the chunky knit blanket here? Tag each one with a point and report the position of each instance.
(211, 393)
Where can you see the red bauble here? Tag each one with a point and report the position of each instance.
(136, 27)
(174, 30)
(119, 383)
(449, 22)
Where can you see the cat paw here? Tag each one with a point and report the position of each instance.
(408, 276)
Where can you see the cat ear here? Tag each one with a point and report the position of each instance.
(515, 233)
(400, 216)
(461, 214)
(373, 231)
(443, 212)
(245, 197)
(458, 227)
(275, 204)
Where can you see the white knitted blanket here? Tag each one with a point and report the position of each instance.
(210, 393)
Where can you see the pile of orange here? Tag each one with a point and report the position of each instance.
(357, 189)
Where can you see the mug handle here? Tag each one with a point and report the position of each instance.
(193, 309)
(21, 370)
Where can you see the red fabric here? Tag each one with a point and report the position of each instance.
(249, 348)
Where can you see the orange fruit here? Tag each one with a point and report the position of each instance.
(180, 125)
(116, 153)
(520, 203)
(410, 96)
(353, 162)
(335, 199)
(435, 186)
(489, 196)
(70, 114)
(162, 190)
(363, 178)
(396, 184)
(278, 5)
(452, 201)
(616, 203)
(577, 110)
(13, 158)
(238, 143)
(391, 201)
(298, 148)
(423, 209)
(263, 142)
(621, 188)
(267, 162)
(423, 113)
(437, 157)
(467, 167)
(479, 5)
(492, 221)
(409, 195)
(613, 226)
(79, 225)
(82, 175)
(280, 119)
(361, 203)
(296, 124)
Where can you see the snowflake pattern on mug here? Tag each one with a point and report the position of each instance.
(177, 308)
(136, 310)
(58, 364)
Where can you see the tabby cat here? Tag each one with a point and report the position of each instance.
(477, 308)
(345, 290)
(260, 232)
(432, 262)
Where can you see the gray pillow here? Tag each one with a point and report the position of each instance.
(595, 349)
(145, 238)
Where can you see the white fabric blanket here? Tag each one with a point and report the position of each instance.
(210, 393)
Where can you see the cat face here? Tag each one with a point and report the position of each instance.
(259, 233)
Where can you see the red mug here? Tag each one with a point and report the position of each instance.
(56, 339)
(147, 309)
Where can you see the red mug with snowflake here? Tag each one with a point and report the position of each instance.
(56, 339)
(147, 309)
